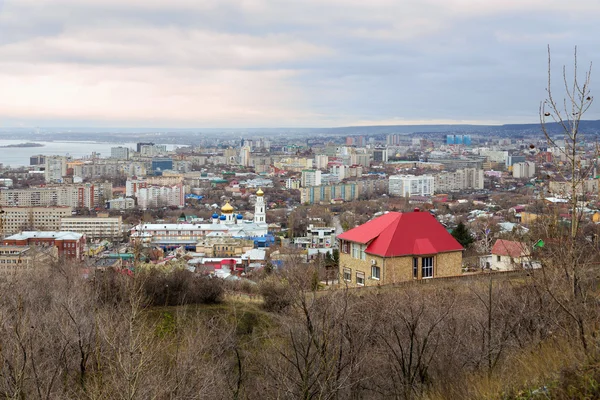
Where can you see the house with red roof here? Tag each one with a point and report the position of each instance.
(398, 247)
(507, 255)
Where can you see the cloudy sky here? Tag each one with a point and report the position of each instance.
(270, 63)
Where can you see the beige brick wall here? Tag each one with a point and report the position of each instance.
(448, 264)
(398, 269)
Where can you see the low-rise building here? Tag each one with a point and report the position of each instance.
(94, 227)
(507, 255)
(397, 247)
(69, 245)
(18, 259)
(224, 246)
(316, 237)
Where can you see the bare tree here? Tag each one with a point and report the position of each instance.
(569, 263)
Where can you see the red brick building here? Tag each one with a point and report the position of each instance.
(70, 245)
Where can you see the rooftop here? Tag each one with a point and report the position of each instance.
(56, 235)
(400, 234)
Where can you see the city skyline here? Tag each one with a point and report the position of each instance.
(227, 64)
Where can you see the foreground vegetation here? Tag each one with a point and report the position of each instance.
(178, 336)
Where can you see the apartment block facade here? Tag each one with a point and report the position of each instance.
(462, 179)
(94, 227)
(411, 185)
(17, 219)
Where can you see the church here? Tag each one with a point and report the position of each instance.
(227, 224)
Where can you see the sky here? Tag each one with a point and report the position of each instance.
(286, 63)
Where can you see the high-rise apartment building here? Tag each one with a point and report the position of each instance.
(119, 153)
(55, 167)
(411, 185)
(462, 179)
(523, 170)
(310, 177)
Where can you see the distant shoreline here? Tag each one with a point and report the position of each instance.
(21, 145)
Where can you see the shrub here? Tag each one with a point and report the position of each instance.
(276, 295)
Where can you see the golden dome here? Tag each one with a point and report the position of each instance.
(260, 192)
(227, 208)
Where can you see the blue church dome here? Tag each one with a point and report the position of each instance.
(215, 215)
(240, 216)
(222, 218)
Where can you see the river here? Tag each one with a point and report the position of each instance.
(19, 156)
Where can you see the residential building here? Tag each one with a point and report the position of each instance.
(411, 185)
(316, 237)
(524, 170)
(17, 219)
(85, 195)
(224, 246)
(398, 247)
(507, 255)
(94, 227)
(292, 183)
(119, 153)
(154, 196)
(321, 161)
(70, 245)
(55, 167)
(564, 188)
(462, 179)
(310, 177)
(19, 259)
(37, 160)
(380, 155)
(363, 159)
(122, 203)
(245, 156)
(325, 194)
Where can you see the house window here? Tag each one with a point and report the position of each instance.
(355, 250)
(427, 267)
(360, 278)
(375, 272)
(498, 258)
(347, 274)
(415, 267)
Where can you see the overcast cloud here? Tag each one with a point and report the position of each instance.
(268, 63)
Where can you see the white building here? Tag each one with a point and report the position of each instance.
(523, 170)
(260, 210)
(55, 167)
(411, 185)
(462, 179)
(119, 153)
(292, 183)
(153, 196)
(321, 161)
(245, 156)
(310, 177)
(94, 227)
(228, 224)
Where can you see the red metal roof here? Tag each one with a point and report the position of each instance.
(399, 234)
(509, 248)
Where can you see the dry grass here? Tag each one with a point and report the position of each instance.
(521, 376)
